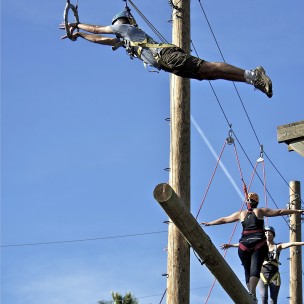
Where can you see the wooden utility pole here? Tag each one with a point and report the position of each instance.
(178, 269)
(295, 251)
(201, 243)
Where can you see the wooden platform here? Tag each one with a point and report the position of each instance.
(293, 135)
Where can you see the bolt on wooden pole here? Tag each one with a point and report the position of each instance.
(178, 269)
(295, 251)
(201, 243)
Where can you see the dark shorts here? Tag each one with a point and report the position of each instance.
(176, 61)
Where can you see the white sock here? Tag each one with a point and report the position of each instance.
(250, 76)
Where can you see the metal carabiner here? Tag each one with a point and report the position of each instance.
(261, 159)
(230, 139)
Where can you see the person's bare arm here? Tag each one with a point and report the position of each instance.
(224, 220)
(94, 29)
(278, 212)
(290, 244)
(227, 246)
(97, 38)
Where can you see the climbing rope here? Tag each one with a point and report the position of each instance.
(230, 141)
(235, 225)
(151, 26)
(211, 179)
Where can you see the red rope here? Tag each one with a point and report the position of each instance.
(245, 189)
(235, 225)
(209, 184)
(241, 174)
(238, 161)
(246, 194)
(210, 291)
(214, 281)
(225, 253)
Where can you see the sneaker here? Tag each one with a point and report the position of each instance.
(262, 82)
(253, 297)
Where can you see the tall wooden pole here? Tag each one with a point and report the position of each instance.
(178, 269)
(295, 251)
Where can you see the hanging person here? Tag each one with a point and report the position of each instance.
(270, 279)
(253, 248)
(167, 57)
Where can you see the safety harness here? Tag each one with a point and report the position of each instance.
(256, 247)
(248, 232)
(273, 261)
(135, 48)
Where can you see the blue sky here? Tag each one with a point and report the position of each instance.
(85, 141)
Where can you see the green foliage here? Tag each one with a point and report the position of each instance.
(119, 299)
(129, 299)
